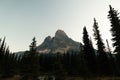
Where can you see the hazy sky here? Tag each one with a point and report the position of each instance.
(21, 20)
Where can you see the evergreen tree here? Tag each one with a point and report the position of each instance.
(89, 54)
(102, 57)
(100, 44)
(115, 28)
(3, 58)
(7, 61)
(30, 62)
(115, 31)
(34, 58)
(33, 47)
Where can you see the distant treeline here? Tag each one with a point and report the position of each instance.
(88, 62)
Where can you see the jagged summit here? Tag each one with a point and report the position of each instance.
(60, 33)
(59, 43)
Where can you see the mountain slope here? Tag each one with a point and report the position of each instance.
(59, 43)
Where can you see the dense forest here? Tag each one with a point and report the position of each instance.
(88, 62)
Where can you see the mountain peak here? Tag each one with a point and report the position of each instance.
(59, 43)
(60, 33)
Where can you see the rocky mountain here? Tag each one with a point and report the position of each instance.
(59, 43)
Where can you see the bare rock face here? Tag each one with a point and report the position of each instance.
(60, 34)
(60, 43)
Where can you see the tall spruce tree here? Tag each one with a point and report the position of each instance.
(34, 59)
(115, 28)
(102, 57)
(97, 37)
(88, 51)
(115, 31)
(30, 62)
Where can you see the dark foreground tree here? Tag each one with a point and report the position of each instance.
(8, 61)
(89, 53)
(115, 31)
(102, 58)
(115, 28)
(30, 62)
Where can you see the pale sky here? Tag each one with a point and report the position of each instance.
(21, 20)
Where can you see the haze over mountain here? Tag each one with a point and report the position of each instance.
(59, 43)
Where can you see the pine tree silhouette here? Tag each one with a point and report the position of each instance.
(102, 57)
(30, 62)
(115, 31)
(88, 52)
